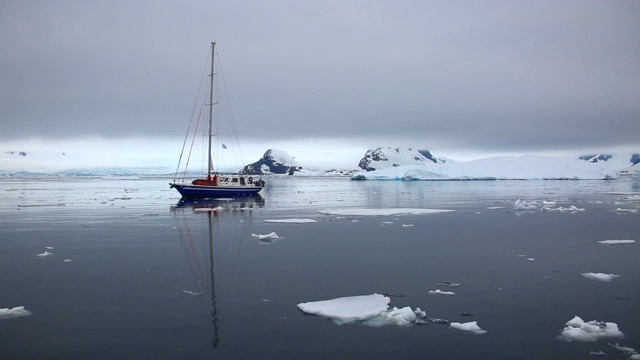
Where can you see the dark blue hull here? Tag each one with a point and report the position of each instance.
(207, 192)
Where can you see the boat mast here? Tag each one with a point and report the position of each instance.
(210, 165)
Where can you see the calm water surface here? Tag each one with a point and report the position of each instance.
(151, 277)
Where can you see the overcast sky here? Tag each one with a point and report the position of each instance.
(474, 76)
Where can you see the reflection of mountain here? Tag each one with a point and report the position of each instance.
(211, 212)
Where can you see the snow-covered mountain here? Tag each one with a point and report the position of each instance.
(386, 157)
(406, 164)
(273, 162)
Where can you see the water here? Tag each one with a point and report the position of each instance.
(135, 250)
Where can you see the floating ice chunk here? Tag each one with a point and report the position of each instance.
(596, 353)
(44, 254)
(630, 211)
(189, 292)
(471, 326)
(395, 316)
(623, 349)
(600, 276)
(381, 212)
(407, 225)
(440, 292)
(578, 330)
(526, 205)
(419, 312)
(387, 222)
(570, 209)
(348, 309)
(531, 259)
(67, 260)
(49, 247)
(616, 242)
(292, 221)
(271, 235)
(438, 321)
(495, 207)
(18, 311)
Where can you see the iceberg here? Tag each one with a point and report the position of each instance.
(579, 330)
(471, 326)
(616, 242)
(348, 309)
(600, 276)
(18, 311)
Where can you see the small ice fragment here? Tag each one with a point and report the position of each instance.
(600, 276)
(18, 311)
(189, 292)
(49, 247)
(420, 312)
(387, 222)
(271, 235)
(292, 221)
(395, 316)
(629, 211)
(67, 260)
(438, 321)
(623, 349)
(597, 353)
(616, 242)
(525, 205)
(45, 253)
(531, 259)
(469, 326)
(407, 225)
(578, 330)
(440, 292)
(521, 255)
(495, 207)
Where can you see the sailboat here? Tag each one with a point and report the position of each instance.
(216, 184)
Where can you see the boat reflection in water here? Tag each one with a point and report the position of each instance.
(220, 204)
(208, 212)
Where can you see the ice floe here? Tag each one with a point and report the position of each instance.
(627, 211)
(526, 205)
(471, 326)
(348, 309)
(67, 260)
(18, 311)
(44, 254)
(271, 235)
(616, 242)
(381, 212)
(579, 330)
(400, 317)
(440, 292)
(600, 276)
(189, 292)
(292, 221)
(626, 351)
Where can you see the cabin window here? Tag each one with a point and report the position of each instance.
(234, 180)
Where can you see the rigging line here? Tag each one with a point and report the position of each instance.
(192, 141)
(235, 132)
(193, 111)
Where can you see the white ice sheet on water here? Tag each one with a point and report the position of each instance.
(579, 330)
(381, 212)
(271, 235)
(18, 311)
(348, 309)
(600, 276)
(616, 242)
(471, 326)
(292, 221)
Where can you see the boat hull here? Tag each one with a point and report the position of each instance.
(205, 192)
